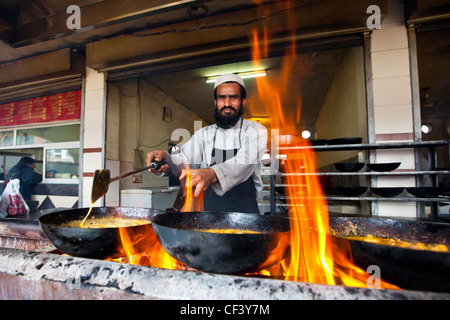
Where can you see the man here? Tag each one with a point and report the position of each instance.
(223, 158)
(24, 171)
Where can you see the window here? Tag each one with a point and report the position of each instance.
(6, 138)
(62, 163)
(48, 134)
(10, 157)
(56, 150)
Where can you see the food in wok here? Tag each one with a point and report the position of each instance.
(105, 222)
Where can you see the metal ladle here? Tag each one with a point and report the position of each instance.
(102, 179)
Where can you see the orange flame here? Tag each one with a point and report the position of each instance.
(313, 255)
(141, 246)
(191, 203)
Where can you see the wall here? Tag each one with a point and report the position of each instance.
(135, 119)
(343, 113)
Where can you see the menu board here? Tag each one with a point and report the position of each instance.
(57, 107)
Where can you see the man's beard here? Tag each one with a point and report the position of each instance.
(227, 121)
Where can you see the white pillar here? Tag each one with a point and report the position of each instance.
(393, 113)
(94, 124)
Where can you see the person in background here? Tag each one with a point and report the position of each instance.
(51, 174)
(24, 171)
(224, 158)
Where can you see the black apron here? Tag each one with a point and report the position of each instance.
(240, 198)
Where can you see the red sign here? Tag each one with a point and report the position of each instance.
(57, 107)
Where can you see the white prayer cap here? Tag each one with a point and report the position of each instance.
(229, 77)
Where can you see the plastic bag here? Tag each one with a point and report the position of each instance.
(13, 203)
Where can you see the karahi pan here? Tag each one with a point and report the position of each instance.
(98, 243)
(194, 239)
(407, 268)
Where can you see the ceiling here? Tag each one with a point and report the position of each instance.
(20, 12)
(31, 27)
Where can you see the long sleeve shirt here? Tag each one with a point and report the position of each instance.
(250, 139)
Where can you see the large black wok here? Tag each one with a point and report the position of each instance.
(407, 268)
(98, 243)
(215, 252)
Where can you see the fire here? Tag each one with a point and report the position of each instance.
(313, 257)
(141, 246)
(191, 203)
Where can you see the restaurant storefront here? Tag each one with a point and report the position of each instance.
(132, 75)
(45, 128)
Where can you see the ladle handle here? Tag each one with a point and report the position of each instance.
(155, 165)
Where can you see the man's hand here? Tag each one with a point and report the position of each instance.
(157, 155)
(201, 179)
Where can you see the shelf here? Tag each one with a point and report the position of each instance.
(372, 146)
(369, 173)
(431, 172)
(375, 198)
